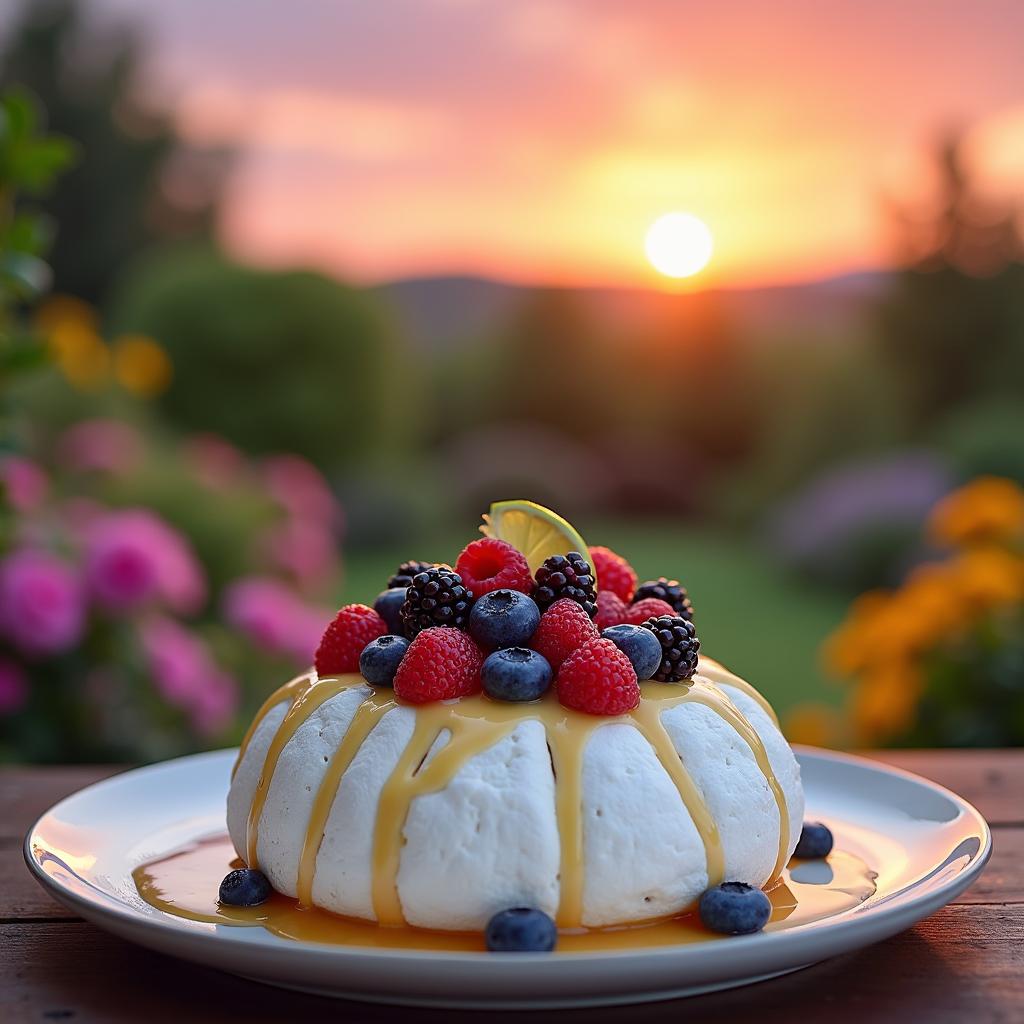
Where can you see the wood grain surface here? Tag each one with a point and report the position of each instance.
(965, 963)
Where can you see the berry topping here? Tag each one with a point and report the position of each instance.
(598, 679)
(516, 674)
(405, 572)
(436, 597)
(491, 564)
(441, 664)
(735, 908)
(388, 606)
(380, 659)
(521, 930)
(343, 641)
(679, 647)
(611, 609)
(566, 576)
(668, 591)
(640, 645)
(563, 628)
(503, 618)
(244, 887)
(815, 841)
(648, 607)
(613, 573)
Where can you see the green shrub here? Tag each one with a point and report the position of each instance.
(272, 361)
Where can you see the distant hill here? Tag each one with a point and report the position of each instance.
(447, 312)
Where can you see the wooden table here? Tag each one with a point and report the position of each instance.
(966, 963)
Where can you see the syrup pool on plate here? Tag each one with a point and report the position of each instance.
(185, 884)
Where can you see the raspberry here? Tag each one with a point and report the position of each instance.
(564, 627)
(492, 564)
(599, 679)
(649, 608)
(343, 641)
(441, 664)
(611, 609)
(613, 572)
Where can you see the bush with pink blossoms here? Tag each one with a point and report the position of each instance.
(42, 610)
(152, 594)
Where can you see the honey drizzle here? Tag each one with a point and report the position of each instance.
(648, 719)
(475, 724)
(712, 697)
(308, 698)
(716, 673)
(292, 690)
(367, 715)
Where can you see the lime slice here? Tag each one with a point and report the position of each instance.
(532, 529)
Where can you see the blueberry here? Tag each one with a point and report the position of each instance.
(244, 887)
(379, 660)
(388, 605)
(517, 674)
(815, 841)
(503, 618)
(521, 930)
(640, 645)
(735, 908)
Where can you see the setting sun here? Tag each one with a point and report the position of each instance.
(678, 245)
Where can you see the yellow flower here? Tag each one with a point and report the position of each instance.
(987, 578)
(62, 310)
(814, 723)
(80, 354)
(885, 700)
(987, 510)
(844, 653)
(901, 625)
(141, 365)
(75, 346)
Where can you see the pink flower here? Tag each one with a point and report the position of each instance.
(24, 483)
(133, 556)
(303, 548)
(100, 446)
(213, 706)
(13, 687)
(300, 488)
(216, 462)
(186, 675)
(41, 606)
(274, 617)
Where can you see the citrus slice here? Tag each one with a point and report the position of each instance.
(532, 529)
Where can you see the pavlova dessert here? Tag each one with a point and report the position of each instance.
(526, 742)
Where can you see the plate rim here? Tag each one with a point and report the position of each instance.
(865, 917)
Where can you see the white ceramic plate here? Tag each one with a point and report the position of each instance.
(926, 844)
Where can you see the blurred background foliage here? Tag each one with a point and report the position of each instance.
(777, 460)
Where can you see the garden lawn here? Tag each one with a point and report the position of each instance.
(749, 614)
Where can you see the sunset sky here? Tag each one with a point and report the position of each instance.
(536, 141)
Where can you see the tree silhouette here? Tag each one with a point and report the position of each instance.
(116, 199)
(952, 326)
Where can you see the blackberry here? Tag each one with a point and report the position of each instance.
(406, 571)
(566, 576)
(436, 597)
(668, 591)
(679, 647)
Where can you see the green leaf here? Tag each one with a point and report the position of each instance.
(30, 233)
(35, 164)
(20, 117)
